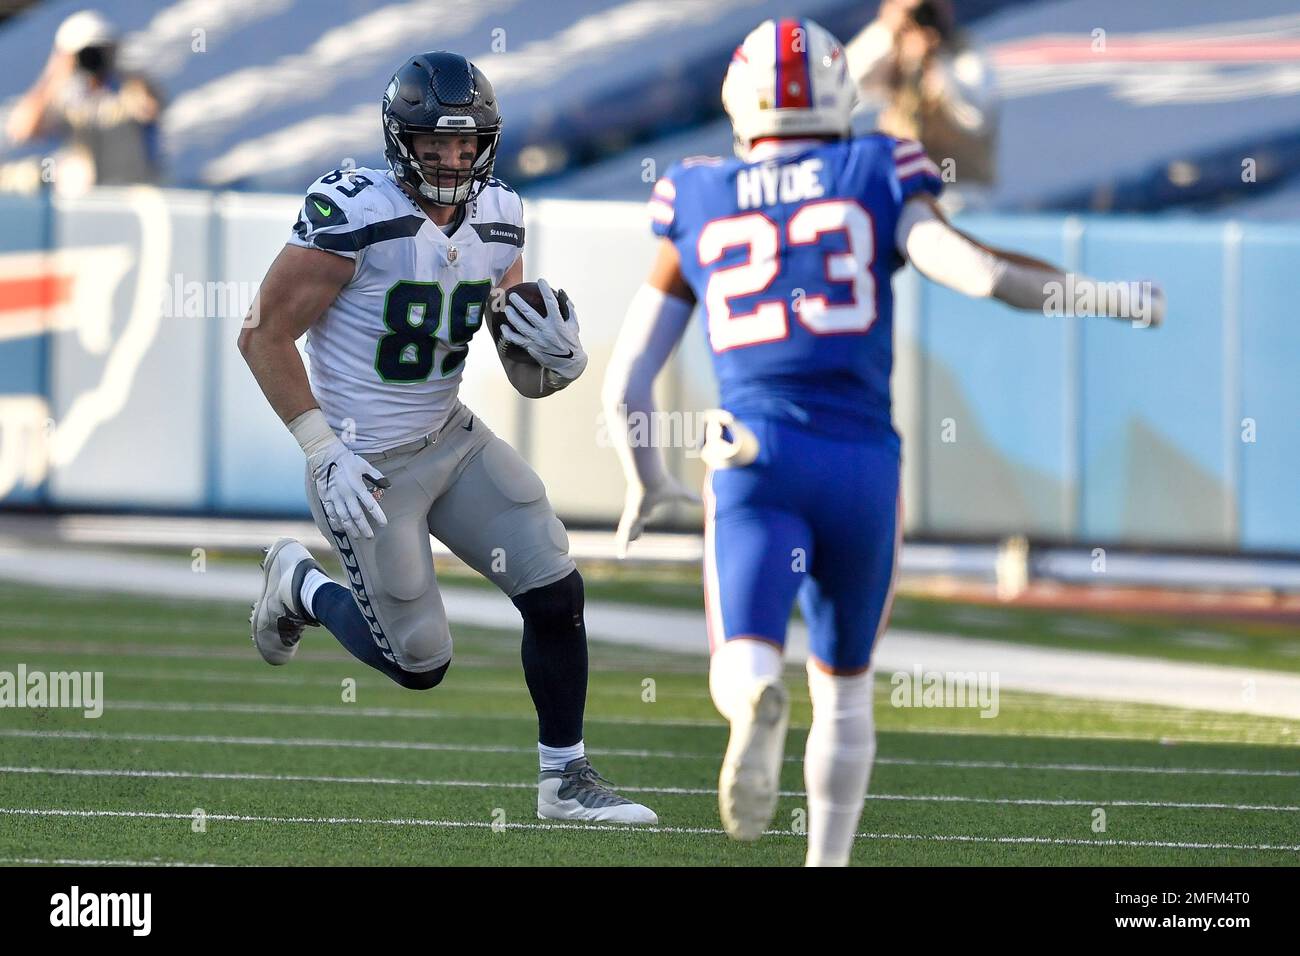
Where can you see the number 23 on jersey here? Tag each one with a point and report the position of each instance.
(768, 320)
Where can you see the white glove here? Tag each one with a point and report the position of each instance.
(550, 339)
(1139, 303)
(640, 502)
(349, 486)
(349, 489)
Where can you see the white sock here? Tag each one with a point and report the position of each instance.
(734, 669)
(310, 585)
(555, 758)
(837, 762)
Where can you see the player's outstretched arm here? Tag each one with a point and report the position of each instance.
(297, 290)
(954, 259)
(654, 324)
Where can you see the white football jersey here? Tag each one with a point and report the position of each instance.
(386, 358)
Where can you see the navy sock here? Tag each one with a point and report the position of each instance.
(554, 652)
(334, 607)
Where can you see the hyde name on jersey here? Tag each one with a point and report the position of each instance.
(792, 256)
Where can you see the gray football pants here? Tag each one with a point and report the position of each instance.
(475, 494)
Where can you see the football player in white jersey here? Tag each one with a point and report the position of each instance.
(388, 272)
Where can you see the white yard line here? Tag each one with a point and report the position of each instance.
(1199, 736)
(242, 653)
(1186, 726)
(1190, 729)
(37, 861)
(1058, 802)
(420, 745)
(387, 713)
(1196, 727)
(1067, 673)
(670, 791)
(604, 827)
(1060, 841)
(372, 679)
(1086, 767)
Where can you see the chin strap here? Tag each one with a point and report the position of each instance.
(431, 193)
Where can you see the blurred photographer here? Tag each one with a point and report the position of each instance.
(106, 119)
(930, 85)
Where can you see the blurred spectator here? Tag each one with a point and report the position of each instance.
(930, 85)
(106, 119)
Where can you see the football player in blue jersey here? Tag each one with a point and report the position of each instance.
(790, 248)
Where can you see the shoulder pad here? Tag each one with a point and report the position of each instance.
(501, 199)
(499, 214)
(346, 210)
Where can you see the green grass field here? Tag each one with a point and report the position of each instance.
(287, 772)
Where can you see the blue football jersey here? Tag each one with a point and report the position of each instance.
(791, 258)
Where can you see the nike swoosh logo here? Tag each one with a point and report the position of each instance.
(469, 427)
(323, 210)
(569, 354)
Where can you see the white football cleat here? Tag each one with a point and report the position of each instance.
(751, 769)
(278, 616)
(578, 792)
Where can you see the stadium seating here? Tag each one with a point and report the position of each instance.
(593, 87)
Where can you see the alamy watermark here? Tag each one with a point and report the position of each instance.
(74, 908)
(181, 299)
(78, 690)
(658, 429)
(1134, 301)
(974, 689)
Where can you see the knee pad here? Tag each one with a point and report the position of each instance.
(421, 680)
(422, 644)
(555, 609)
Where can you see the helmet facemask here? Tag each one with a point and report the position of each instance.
(440, 184)
(441, 94)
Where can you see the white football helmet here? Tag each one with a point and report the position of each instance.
(788, 78)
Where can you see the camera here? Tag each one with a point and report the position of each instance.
(96, 60)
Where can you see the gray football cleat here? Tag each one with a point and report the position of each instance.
(578, 792)
(751, 769)
(278, 616)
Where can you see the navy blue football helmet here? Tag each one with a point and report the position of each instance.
(441, 93)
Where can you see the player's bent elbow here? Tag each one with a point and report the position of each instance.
(257, 341)
(245, 341)
(254, 342)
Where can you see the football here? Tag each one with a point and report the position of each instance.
(530, 293)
